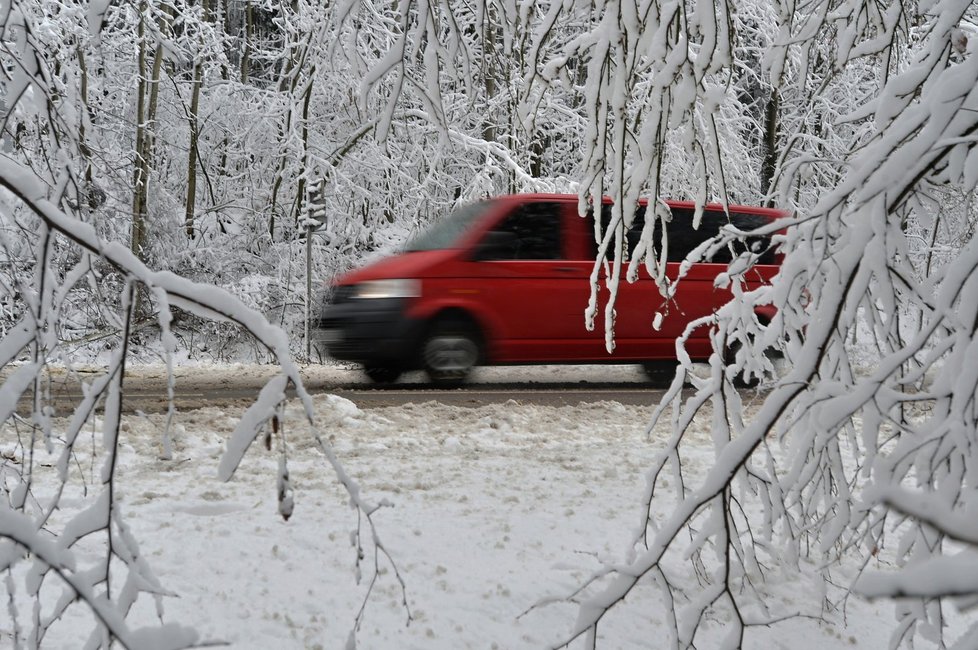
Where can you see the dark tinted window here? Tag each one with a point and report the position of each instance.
(683, 238)
(534, 231)
(759, 245)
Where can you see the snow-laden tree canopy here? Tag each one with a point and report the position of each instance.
(151, 149)
(876, 112)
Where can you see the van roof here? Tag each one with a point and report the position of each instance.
(772, 213)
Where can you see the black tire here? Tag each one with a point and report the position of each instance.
(660, 373)
(382, 374)
(450, 351)
(740, 380)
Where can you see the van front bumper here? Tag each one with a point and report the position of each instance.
(370, 331)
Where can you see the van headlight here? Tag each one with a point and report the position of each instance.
(388, 289)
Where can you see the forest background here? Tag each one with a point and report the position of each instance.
(154, 149)
(207, 133)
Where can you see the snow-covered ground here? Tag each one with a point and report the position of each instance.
(493, 509)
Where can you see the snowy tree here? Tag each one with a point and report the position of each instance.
(868, 182)
(857, 117)
(64, 540)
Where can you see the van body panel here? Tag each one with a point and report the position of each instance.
(406, 265)
(376, 332)
(525, 287)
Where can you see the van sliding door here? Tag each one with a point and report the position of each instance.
(535, 294)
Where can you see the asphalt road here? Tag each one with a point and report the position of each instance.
(233, 390)
(551, 394)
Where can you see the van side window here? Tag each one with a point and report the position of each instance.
(759, 245)
(535, 230)
(683, 238)
(714, 220)
(632, 235)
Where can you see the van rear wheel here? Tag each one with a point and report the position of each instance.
(741, 379)
(450, 352)
(382, 374)
(660, 373)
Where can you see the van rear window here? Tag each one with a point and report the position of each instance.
(683, 238)
(445, 233)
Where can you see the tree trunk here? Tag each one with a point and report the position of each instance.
(192, 153)
(249, 26)
(194, 125)
(138, 228)
(145, 136)
(770, 145)
(83, 147)
(287, 84)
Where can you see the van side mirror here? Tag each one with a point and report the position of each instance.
(496, 245)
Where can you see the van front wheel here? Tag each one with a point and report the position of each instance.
(450, 352)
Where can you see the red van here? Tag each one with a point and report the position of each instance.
(506, 281)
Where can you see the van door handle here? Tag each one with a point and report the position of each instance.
(565, 269)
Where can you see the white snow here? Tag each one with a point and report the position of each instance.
(492, 509)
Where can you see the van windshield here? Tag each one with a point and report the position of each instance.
(445, 233)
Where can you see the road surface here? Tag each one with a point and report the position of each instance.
(145, 388)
